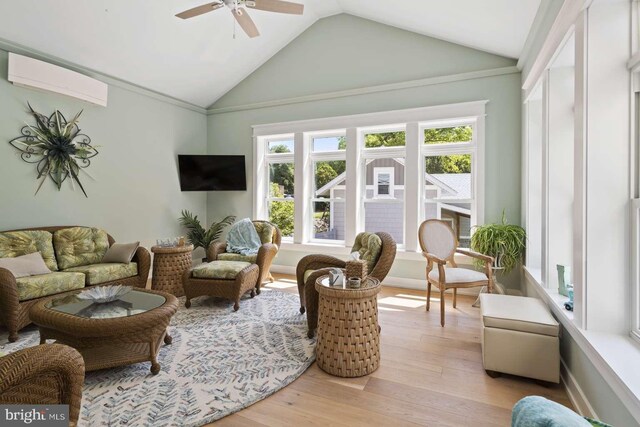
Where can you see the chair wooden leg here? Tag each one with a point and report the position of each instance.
(455, 296)
(442, 289)
(428, 295)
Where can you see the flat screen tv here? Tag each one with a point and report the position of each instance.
(212, 173)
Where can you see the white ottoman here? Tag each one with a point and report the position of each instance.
(519, 337)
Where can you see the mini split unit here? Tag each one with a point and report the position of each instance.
(32, 73)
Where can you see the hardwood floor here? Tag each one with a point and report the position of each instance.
(429, 375)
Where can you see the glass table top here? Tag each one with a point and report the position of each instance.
(342, 283)
(132, 303)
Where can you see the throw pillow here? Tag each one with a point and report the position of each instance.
(25, 265)
(121, 252)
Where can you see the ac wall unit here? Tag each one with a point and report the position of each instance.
(29, 72)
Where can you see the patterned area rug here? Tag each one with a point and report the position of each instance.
(220, 362)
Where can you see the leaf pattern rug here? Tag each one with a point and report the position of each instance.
(220, 362)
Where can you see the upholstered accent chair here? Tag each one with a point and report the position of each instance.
(47, 374)
(271, 239)
(439, 245)
(377, 249)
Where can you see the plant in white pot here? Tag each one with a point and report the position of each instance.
(504, 242)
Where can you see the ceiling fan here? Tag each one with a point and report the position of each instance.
(239, 11)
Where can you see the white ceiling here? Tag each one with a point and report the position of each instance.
(198, 60)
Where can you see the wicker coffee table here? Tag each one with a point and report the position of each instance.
(169, 264)
(123, 332)
(348, 332)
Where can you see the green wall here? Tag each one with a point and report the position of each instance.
(136, 193)
(344, 52)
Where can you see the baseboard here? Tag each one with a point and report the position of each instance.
(396, 282)
(576, 395)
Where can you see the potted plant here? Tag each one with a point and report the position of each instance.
(504, 242)
(197, 235)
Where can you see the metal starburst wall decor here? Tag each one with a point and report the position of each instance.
(57, 147)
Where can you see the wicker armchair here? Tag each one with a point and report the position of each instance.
(320, 264)
(47, 374)
(264, 259)
(14, 314)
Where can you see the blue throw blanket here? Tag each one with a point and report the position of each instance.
(536, 411)
(243, 238)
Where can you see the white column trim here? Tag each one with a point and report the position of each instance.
(354, 186)
(302, 188)
(413, 185)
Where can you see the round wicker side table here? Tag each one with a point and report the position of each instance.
(348, 333)
(169, 264)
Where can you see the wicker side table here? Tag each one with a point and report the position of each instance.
(348, 332)
(169, 264)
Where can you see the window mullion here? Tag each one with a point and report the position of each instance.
(412, 186)
(302, 188)
(354, 185)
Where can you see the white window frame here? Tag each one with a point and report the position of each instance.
(634, 215)
(271, 159)
(323, 156)
(354, 127)
(453, 148)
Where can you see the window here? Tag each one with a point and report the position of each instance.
(383, 181)
(281, 185)
(448, 183)
(328, 174)
(383, 170)
(323, 181)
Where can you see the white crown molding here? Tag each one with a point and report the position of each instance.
(369, 89)
(535, 28)
(9, 46)
(561, 26)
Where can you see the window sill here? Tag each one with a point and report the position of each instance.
(340, 250)
(610, 353)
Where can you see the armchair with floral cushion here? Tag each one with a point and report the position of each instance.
(271, 239)
(377, 249)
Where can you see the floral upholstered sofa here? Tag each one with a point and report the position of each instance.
(74, 255)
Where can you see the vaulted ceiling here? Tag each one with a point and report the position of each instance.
(199, 60)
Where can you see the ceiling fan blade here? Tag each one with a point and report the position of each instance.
(200, 10)
(277, 6)
(245, 22)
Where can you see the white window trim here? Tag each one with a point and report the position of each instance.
(634, 187)
(353, 127)
(475, 148)
(322, 156)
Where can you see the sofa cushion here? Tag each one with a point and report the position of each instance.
(25, 265)
(17, 243)
(227, 270)
(106, 272)
(77, 246)
(369, 246)
(48, 284)
(237, 257)
(265, 231)
(517, 314)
